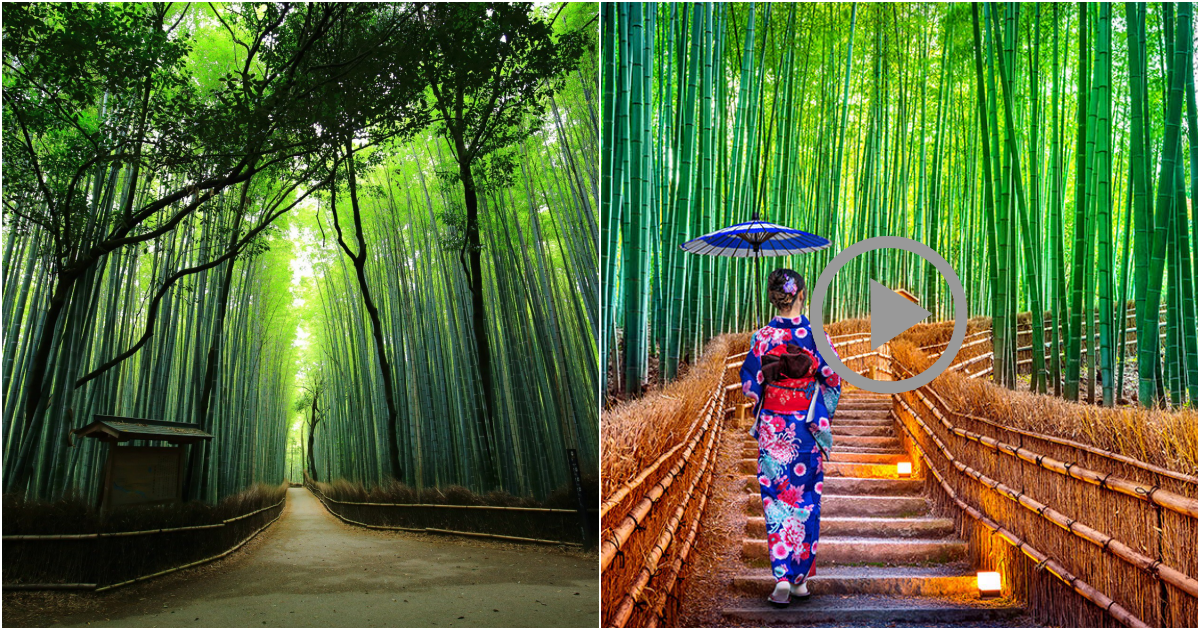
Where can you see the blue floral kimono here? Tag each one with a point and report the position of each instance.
(791, 444)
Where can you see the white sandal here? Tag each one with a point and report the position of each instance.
(786, 591)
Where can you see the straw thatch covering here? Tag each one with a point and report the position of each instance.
(636, 433)
(1104, 499)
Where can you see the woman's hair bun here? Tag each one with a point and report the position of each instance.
(783, 287)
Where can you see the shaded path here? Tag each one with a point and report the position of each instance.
(312, 570)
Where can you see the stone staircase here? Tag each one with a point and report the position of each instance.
(883, 559)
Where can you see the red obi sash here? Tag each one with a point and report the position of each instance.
(789, 395)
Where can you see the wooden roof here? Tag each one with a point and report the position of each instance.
(118, 429)
(911, 298)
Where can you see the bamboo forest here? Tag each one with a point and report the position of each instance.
(349, 242)
(1048, 152)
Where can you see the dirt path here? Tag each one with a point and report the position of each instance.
(309, 569)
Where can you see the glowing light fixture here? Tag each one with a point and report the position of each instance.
(989, 583)
(904, 470)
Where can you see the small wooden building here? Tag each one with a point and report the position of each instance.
(141, 475)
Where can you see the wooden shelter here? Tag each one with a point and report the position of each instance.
(141, 475)
(118, 429)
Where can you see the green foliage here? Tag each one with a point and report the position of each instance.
(1000, 134)
(538, 257)
(152, 155)
(491, 68)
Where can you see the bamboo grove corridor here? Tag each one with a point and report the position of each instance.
(754, 159)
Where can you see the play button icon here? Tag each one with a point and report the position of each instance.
(891, 314)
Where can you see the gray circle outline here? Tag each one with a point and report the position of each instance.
(821, 287)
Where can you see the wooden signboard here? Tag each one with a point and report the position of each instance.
(142, 475)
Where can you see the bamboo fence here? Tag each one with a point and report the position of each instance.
(1117, 532)
(547, 526)
(107, 560)
(650, 517)
(975, 357)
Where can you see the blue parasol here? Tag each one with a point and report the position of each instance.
(755, 239)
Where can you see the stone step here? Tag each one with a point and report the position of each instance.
(864, 422)
(848, 526)
(836, 468)
(859, 418)
(863, 402)
(835, 486)
(867, 457)
(845, 448)
(855, 550)
(955, 578)
(874, 441)
(858, 469)
(857, 505)
(875, 611)
(883, 430)
(863, 415)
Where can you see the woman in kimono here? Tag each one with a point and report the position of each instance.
(795, 393)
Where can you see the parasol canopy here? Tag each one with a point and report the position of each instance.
(755, 239)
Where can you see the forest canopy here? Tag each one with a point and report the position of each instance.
(176, 181)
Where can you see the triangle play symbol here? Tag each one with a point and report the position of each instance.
(891, 314)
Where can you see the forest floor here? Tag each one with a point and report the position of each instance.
(309, 569)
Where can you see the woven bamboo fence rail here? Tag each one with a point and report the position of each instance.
(481, 521)
(107, 560)
(650, 524)
(1118, 533)
(1025, 330)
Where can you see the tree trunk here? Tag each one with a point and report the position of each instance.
(35, 396)
(196, 483)
(479, 326)
(312, 429)
(385, 368)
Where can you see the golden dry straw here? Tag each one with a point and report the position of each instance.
(636, 433)
(1156, 436)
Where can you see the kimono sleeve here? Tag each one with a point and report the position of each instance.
(831, 383)
(751, 373)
